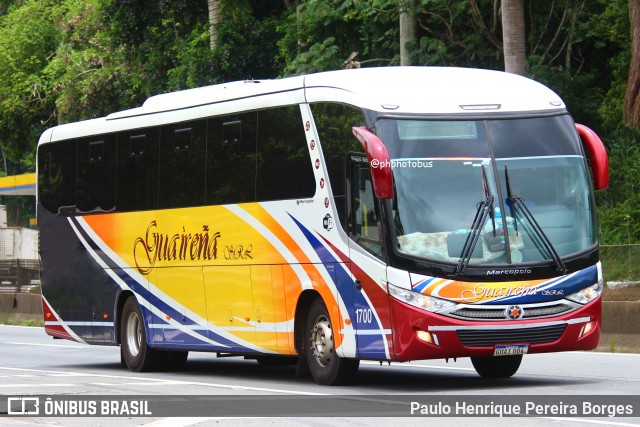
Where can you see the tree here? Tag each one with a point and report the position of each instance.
(513, 36)
(631, 109)
(214, 21)
(28, 38)
(407, 20)
(89, 73)
(217, 8)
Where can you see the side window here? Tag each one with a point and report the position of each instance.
(364, 211)
(137, 186)
(96, 174)
(231, 159)
(182, 164)
(334, 123)
(284, 169)
(57, 176)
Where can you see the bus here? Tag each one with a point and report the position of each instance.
(381, 214)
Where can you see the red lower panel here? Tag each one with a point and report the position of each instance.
(407, 320)
(52, 324)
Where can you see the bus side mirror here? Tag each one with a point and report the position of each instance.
(598, 155)
(379, 162)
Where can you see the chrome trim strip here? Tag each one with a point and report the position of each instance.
(93, 324)
(520, 326)
(451, 312)
(365, 332)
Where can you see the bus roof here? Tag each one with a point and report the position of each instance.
(433, 90)
(396, 90)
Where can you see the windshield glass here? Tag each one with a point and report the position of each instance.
(518, 183)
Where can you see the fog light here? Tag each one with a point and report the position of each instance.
(427, 337)
(586, 329)
(424, 336)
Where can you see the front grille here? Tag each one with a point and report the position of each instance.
(491, 337)
(530, 312)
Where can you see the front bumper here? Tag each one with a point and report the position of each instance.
(450, 337)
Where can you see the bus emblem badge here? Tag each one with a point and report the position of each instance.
(327, 222)
(514, 312)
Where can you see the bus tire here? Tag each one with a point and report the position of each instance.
(326, 367)
(497, 367)
(137, 354)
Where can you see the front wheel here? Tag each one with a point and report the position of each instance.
(325, 365)
(497, 367)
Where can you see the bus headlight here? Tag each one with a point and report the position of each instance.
(587, 294)
(424, 302)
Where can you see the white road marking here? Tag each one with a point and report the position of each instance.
(74, 347)
(153, 381)
(406, 365)
(179, 421)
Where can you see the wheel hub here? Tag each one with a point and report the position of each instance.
(134, 334)
(322, 341)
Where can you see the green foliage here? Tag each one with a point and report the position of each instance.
(619, 211)
(67, 60)
(20, 209)
(320, 35)
(620, 263)
(88, 75)
(612, 28)
(452, 36)
(28, 36)
(246, 49)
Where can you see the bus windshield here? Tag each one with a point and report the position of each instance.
(499, 191)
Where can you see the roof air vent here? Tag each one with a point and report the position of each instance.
(480, 107)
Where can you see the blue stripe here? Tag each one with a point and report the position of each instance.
(555, 289)
(422, 285)
(160, 305)
(368, 344)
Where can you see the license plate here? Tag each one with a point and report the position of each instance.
(509, 350)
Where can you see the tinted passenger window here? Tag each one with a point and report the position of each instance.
(182, 164)
(96, 174)
(231, 159)
(283, 162)
(57, 176)
(137, 170)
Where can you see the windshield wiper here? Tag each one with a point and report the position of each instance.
(518, 203)
(484, 208)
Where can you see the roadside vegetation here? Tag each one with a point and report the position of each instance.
(69, 60)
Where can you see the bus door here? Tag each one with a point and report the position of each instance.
(368, 268)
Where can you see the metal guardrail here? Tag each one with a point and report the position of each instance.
(19, 275)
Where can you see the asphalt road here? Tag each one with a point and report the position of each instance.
(31, 363)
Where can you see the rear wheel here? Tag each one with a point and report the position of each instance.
(325, 365)
(137, 355)
(497, 367)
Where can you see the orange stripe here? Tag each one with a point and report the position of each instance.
(265, 218)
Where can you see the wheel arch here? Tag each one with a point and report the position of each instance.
(120, 300)
(302, 308)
